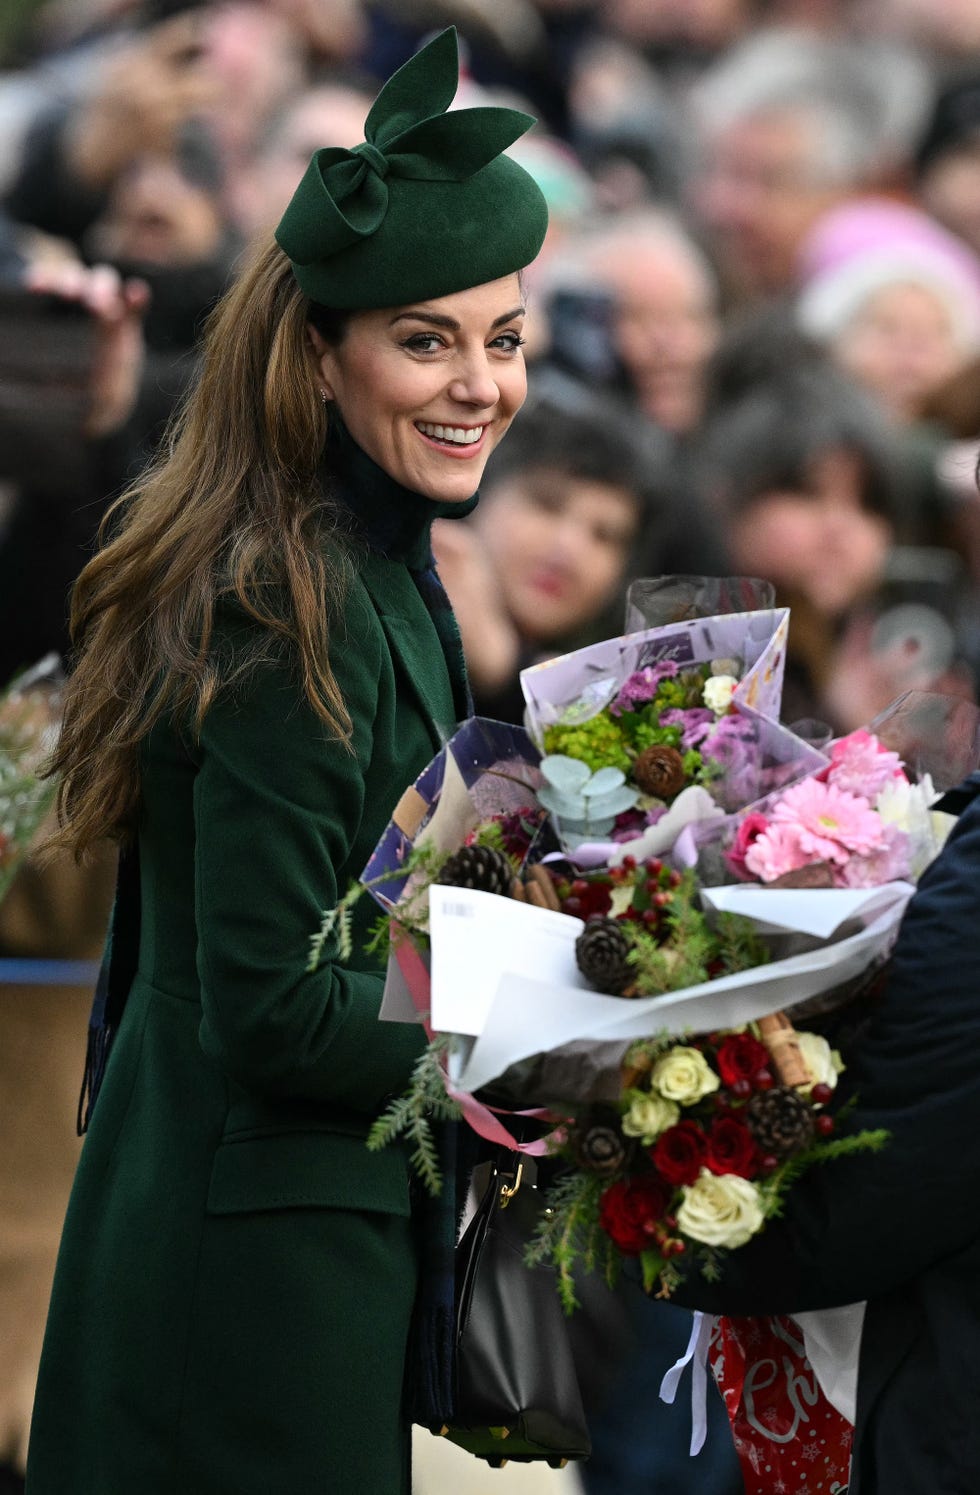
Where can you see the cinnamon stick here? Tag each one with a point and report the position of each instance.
(538, 877)
(782, 1042)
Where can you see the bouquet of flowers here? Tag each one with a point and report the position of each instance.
(519, 941)
(28, 729)
(629, 957)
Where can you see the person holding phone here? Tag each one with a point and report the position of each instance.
(265, 659)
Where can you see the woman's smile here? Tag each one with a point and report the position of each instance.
(453, 440)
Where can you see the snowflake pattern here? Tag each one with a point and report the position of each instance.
(814, 1459)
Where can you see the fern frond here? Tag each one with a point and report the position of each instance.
(411, 1114)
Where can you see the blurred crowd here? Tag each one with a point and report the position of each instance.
(755, 336)
(754, 342)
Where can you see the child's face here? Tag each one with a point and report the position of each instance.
(559, 546)
(902, 345)
(822, 544)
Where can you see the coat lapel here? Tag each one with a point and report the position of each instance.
(414, 643)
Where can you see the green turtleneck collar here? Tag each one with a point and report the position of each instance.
(393, 520)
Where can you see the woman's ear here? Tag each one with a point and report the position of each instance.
(319, 350)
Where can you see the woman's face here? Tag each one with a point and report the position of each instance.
(901, 345)
(823, 544)
(428, 390)
(559, 547)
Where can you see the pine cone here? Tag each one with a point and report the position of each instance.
(780, 1121)
(601, 950)
(598, 1145)
(659, 770)
(481, 867)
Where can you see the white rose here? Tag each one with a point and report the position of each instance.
(684, 1075)
(648, 1116)
(819, 1059)
(720, 1210)
(718, 693)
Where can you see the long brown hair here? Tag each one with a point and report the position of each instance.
(231, 507)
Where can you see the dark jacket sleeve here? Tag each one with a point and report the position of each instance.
(278, 807)
(862, 1226)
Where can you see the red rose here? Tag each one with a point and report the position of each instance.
(750, 829)
(680, 1152)
(732, 1148)
(630, 1208)
(740, 1057)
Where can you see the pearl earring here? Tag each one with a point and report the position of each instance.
(323, 395)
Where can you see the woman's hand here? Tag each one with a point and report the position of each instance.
(147, 93)
(490, 641)
(116, 307)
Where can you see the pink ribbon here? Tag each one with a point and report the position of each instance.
(482, 1118)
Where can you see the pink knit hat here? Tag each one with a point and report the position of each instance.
(868, 243)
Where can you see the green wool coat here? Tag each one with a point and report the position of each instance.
(237, 1271)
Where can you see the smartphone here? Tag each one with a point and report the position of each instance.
(47, 350)
(582, 325)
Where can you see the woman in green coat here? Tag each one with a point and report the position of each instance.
(265, 660)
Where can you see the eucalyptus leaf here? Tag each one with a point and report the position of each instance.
(613, 803)
(563, 805)
(567, 775)
(603, 781)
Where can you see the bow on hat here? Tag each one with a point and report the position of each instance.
(343, 196)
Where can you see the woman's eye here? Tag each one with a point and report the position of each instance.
(423, 342)
(508, 341)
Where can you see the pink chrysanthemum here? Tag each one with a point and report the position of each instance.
(889, 861)
(860, 765)
(642, 686)
(831, 822)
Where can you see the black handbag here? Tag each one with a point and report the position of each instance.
(516, 1391)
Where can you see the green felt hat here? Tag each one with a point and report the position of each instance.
(426, 206)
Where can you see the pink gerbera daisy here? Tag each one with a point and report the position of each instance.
(832, 823)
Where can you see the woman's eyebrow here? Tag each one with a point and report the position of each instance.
(449, 324)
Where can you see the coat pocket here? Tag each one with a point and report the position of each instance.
(306, 1170)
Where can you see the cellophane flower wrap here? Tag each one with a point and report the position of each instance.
(653, 997)
(622, 967)
(29, 717)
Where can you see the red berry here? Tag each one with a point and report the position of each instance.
(824, 1124)
(572, 906)
(650, 916)
(662, 899)
(579, 887)
(821, 1094)
(654, 866)
(768, 1163)
(742, 1089)
(675, 879)
(652, 886)
(763, 1080)
(628, 863)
